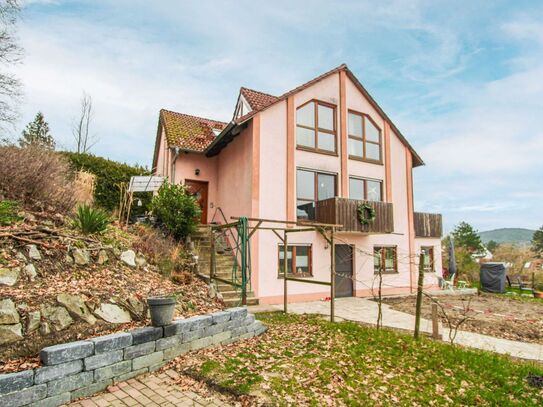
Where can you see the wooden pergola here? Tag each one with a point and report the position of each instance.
(283, 229)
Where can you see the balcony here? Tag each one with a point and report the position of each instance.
(344, 212)
(428, 224)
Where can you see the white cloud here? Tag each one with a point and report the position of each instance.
(481, 138)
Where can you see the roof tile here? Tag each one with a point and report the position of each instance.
(257, 100)
(189, 132)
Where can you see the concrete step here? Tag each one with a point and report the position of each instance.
(224, 268)
(231, 297)
(235, 294)
(236, 302)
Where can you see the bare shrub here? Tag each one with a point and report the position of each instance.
(37, 177)
(162, 250)
(153, 244)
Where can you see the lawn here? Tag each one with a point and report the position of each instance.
(305, 360)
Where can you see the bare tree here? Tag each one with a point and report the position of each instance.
(10, 54)
(420, 286)
(81, 127)
(454, 323)
(380, 300)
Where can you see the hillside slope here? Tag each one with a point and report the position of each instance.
(57, 285)
(507, 235)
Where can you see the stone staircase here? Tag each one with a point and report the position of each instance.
(224, 261)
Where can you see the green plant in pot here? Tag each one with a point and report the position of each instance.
(161, 308)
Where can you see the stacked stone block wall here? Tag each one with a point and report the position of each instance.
(80, 369)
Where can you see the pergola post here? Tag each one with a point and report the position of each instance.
(332, 274)
(244, 260)
(212, 264)
(285, 269)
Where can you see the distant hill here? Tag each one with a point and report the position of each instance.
(508, 235)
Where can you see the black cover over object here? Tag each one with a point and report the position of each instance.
(493, 277)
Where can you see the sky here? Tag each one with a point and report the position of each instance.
(462, 80)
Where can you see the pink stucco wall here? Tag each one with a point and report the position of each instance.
(232, 187)
(234, 172)
(273, 170)
(162, 153)
(186, 165)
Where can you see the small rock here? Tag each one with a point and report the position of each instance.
(76, 307)
(9, 276)
(21, 257)
(211, 292)
(8, 313)
(129, 257)
(45, 328)
(10, 333)
(30, 271)
(81, 256)
(136, 305)
(102, 257)
(22, 307)
(29, 217)
(112, 313)
(140, 261)
(34, 319)
(57, 316)
(33, 252)
(68, 259)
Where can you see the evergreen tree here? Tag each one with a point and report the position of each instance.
(37, 134)
(467, 237)
(492, 245)
(537, 242)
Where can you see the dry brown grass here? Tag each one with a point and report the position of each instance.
(168, 254)
(153, 244)
(85, 184)
(37, 177)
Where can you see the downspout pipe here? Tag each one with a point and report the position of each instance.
(176, 151)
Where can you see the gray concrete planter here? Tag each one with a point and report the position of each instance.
(161, 310)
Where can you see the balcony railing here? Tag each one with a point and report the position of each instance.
(344, 212)
(428, 224)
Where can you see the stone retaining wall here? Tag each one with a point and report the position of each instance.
(80, 369)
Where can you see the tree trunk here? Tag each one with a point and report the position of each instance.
(419, 296)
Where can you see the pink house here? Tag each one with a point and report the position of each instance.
(317, 152)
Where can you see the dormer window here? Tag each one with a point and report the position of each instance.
(364, 138)
(316, 127)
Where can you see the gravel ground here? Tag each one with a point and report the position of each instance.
(497, 315)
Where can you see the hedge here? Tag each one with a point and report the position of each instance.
(109, 174)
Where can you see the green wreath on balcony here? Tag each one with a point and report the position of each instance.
(366, 213)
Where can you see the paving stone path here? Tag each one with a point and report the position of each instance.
(150, 390)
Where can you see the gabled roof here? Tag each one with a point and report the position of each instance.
(257, 100)
(417, 160)
(186, 132)
(196, 134)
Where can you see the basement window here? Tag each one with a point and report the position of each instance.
(299, 261)
(428, 258)
(385, 259)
